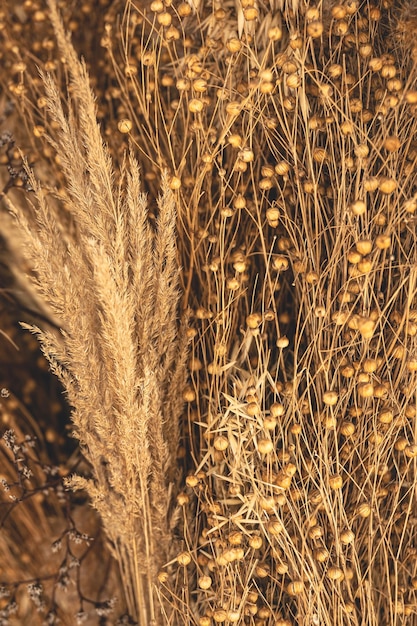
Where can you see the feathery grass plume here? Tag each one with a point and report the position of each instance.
(114, 286)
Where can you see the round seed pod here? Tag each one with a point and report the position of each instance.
(163, 577)
(269, 422)
(192, 481)
(315, 29)
(330, 398)
(276, 409)
(219, 615)
(365, 390)
(280, 262)
(361, 151)
(383, 242)
(195, 105)
(401, 444)
(347, 536)
(315, 532)
(275, 33)
(274, 527)
(347, 428)
(164, 19)
(295, 588)
(335, 573)
(205, 582)
(365, 266)
(293, 81)
(184, 9)
(221, 443)
(174, 183)
(272, 215)
(184, 558)
(358, 207)
(364, 246)
(321, 555)
(265, 446)
(370, 365)
(392, 143)
(254, 320)
(234, 45)
(250, 14)
(252, 409)
(364, 509)
(336, 481)
(411, 451)
(386, 416)
(366, 327)
(233, 616)
(255, 542)
(125, 125)
(283, 342)
(347, 127)
(387, 185)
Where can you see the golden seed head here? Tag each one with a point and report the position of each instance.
(387, 185)
(265, 446)
(280, 262)
(174, 183)
(250, 14)
(364, 509)
(347, 536)
(283, 342)
(312, 278)
(336, 481)
(254, 320)
(321, 555)
(219, 615)
(339, 12)
(274, 527)
(383, 242)
(163, 577)
(195, 105)
(239, 202)
(392, 143)
(205, 582)
(330, 398)
(164, 19)
(275, 33)
(235, 140)
(296, 587)
(221, 443)
(184, 9)
(411, 451)
(124, 126)
(364, 246)
(312, 13)
(246, 155)
(184, 558)
(235, 538)
(234, 45)
(233, 616)
(315, 532)
(183, 499)
(255, 542)
(335, 573)
(320, 155)
(192, 481)
(358, 207)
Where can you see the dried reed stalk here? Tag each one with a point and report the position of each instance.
(114, 286)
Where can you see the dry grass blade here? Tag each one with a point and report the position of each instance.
(114, 286)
